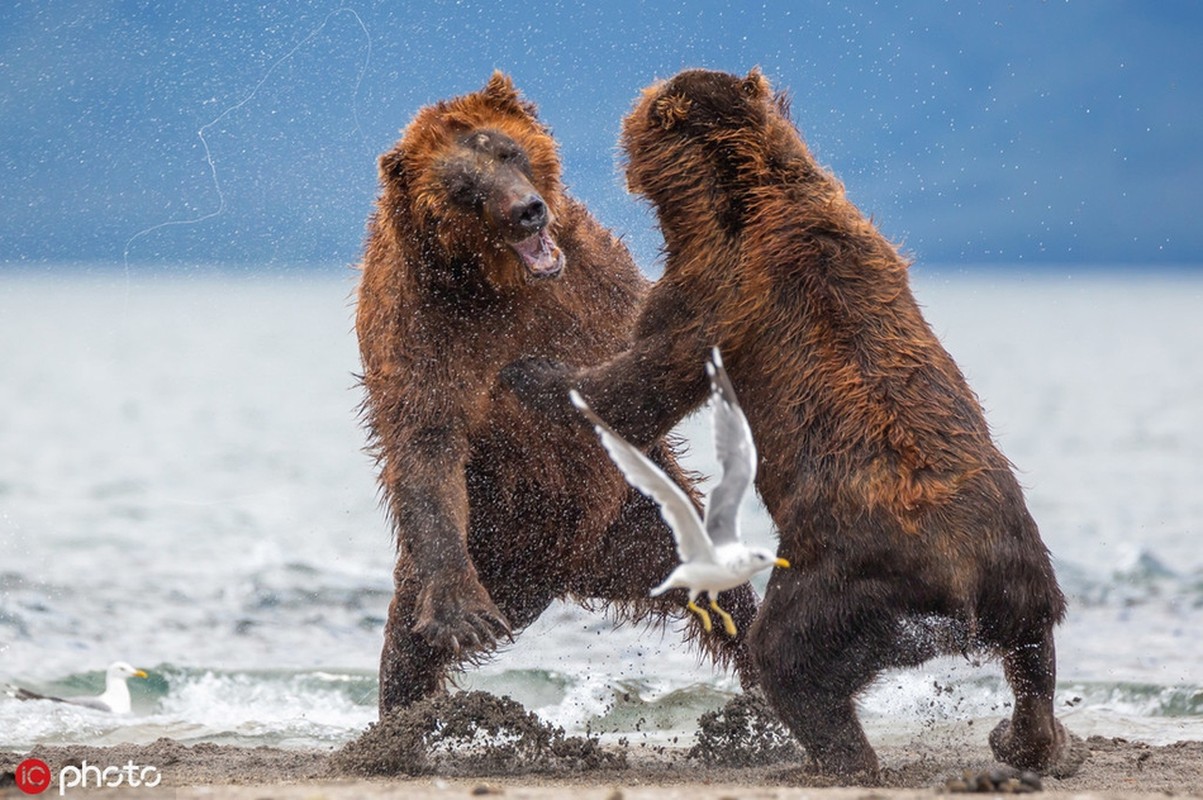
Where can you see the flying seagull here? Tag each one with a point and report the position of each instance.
(116, 693)
(712, 556)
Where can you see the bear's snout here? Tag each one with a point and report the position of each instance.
(529, 214)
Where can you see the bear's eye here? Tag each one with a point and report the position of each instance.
(463, 191)
(512, 155)
(516, 157)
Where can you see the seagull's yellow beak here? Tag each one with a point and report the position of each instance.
(140, 674)
(781, 562)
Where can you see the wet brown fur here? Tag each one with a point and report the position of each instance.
(496, 512)
(906, 527)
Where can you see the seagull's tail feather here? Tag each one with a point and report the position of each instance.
(662, 588)
(17, 693)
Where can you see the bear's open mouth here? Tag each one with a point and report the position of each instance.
(540, 255)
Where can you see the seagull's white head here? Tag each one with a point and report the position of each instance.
(759, 558)
(119, 670)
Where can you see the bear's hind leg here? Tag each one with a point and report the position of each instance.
(1033, 738)
(813, 664)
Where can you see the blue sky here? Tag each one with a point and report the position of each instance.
(973, 133)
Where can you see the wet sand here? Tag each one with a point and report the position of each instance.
(1115, 768)
(477, 744)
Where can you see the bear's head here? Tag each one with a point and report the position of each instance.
(699, 131)
(475, 183)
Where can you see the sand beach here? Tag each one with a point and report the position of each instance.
(1115, 768)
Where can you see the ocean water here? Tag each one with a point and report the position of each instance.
(183, 487)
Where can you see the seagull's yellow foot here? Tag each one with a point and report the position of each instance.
(701, 612)
(728, 623)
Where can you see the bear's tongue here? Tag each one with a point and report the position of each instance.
(540, 255)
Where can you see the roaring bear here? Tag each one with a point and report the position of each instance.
(475, 257)
(905, 525)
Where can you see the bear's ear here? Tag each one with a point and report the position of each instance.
(756, 86)
(501, 94)
(392, 167)
(782, 100)
(670, 109)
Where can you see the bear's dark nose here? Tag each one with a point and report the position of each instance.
(529, 214)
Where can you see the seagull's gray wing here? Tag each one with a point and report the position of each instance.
(736, 455)
(19, 693)
(644, 475)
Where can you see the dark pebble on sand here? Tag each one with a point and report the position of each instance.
(999, 780)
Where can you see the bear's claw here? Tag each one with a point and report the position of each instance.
(460, 622)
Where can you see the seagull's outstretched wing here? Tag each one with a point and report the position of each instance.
(644, 475)
(736, 455)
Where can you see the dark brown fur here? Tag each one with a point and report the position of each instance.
(496, 513)
(906, 527)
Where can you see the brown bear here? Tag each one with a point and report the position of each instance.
(905, 526)
(476, 257)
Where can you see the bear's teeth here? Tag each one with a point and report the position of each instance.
(540, 254)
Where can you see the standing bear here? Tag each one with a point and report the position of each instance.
(476, 257)
(906, 528)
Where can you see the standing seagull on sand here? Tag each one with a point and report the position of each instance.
(713, 558)
(115, 698)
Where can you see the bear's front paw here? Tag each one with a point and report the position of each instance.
(542, 385)
(460, 618)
